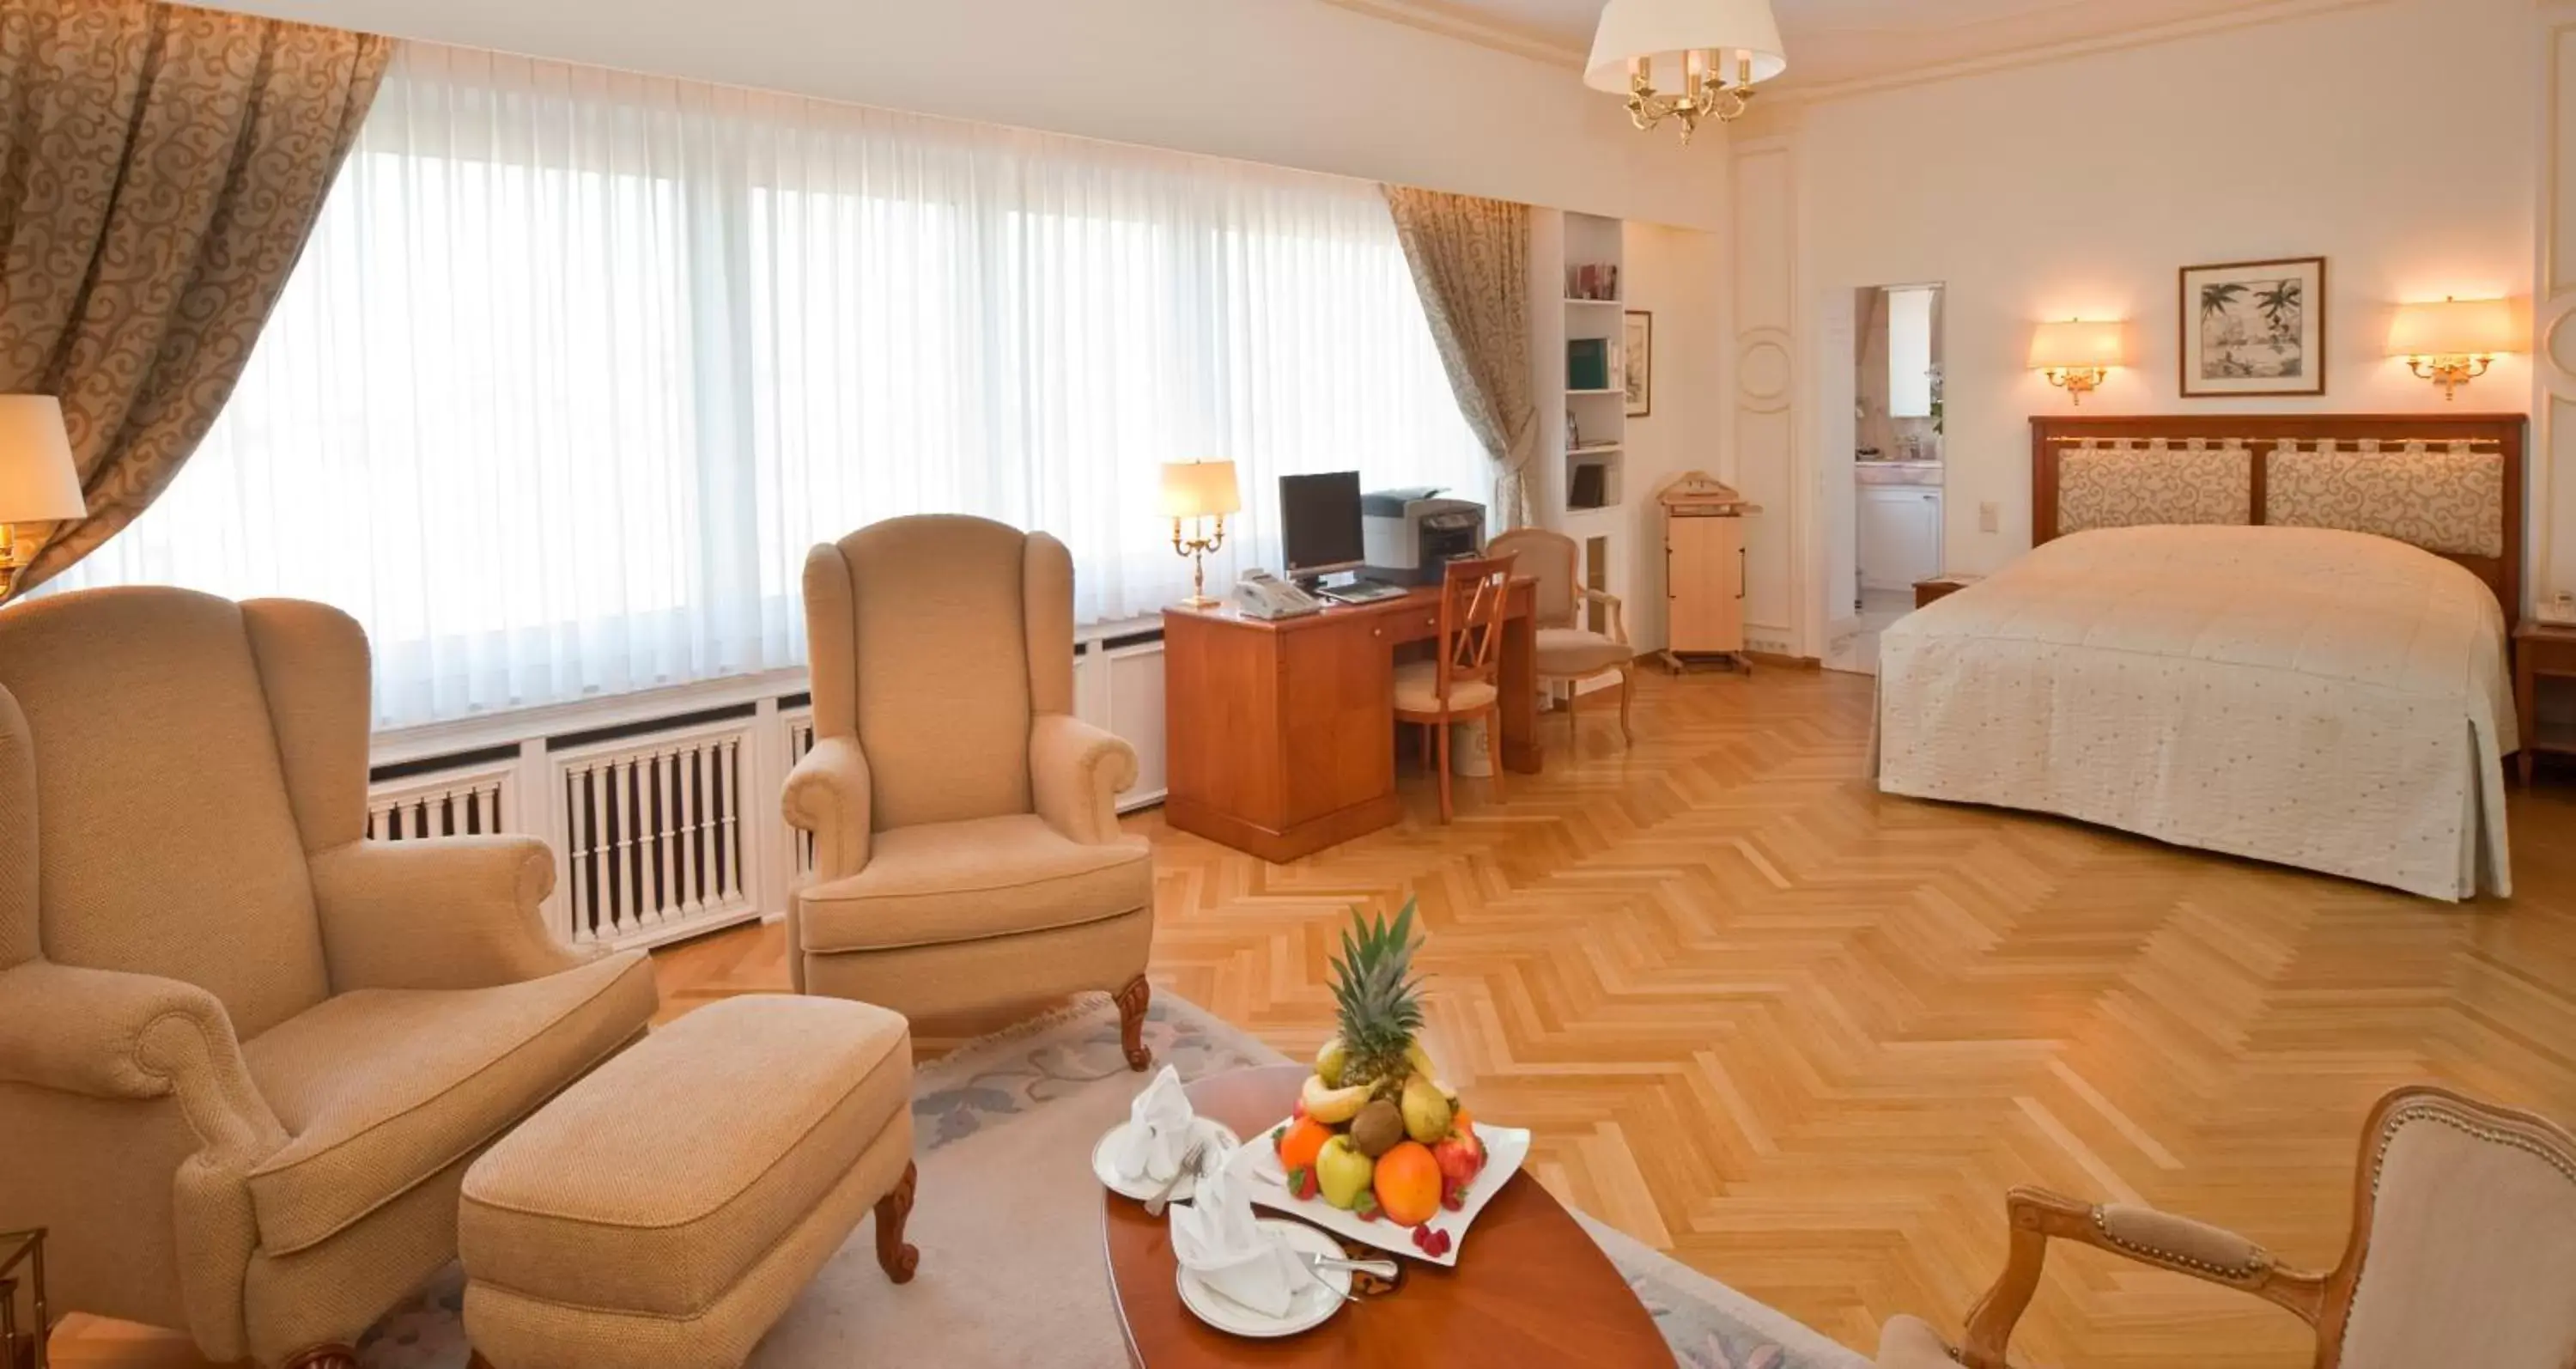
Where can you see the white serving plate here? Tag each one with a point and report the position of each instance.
(1311, 1304)
(1219, 1135)
(1505, 1148)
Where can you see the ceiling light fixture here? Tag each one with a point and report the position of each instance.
(1672, 58)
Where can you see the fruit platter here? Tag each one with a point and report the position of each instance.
(1379, 1149)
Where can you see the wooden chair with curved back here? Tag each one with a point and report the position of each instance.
(1568, 651)
(1460, 685)
(2463, 1250)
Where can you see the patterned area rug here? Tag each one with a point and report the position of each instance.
(1008, 1223)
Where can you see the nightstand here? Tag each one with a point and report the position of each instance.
(2541, 651)
(1928, 592)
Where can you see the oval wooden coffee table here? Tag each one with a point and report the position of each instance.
(1530, 1286)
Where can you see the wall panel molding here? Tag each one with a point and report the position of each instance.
(1763, 405)
(2553, 362)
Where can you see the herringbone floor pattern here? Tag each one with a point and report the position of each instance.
(1803, 1037)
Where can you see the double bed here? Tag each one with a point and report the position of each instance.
(2280, 638)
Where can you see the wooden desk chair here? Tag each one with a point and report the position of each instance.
(2464, 1222)
(1459, 686)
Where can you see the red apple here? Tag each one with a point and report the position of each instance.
(1461, 1158)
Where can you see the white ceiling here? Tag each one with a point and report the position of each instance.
(1834, 41)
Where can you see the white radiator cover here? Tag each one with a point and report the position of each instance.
(669, 827)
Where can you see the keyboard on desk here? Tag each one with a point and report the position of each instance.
(1364, 592)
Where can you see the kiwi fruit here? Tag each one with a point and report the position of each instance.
(1378, 1128)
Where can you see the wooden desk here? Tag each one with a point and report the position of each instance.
(1280, 736)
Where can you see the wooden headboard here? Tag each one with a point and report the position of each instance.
(2504, 434)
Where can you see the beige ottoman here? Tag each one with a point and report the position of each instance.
(665, 1210)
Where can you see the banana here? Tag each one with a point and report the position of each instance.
(1332, 1106)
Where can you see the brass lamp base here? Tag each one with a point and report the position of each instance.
(1197, 548)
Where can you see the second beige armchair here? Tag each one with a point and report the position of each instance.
(967, 849)
(1568, 650)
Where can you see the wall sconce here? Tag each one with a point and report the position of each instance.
(1199, 490)
(2453, 342)
(2077, 356)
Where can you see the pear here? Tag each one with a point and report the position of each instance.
(1426, 1110)
(1343, 1173)
(1330, 1061)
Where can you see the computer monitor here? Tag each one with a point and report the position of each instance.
(1319, 521)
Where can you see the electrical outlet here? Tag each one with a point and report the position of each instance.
(1990, 517)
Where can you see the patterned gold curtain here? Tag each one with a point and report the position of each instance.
(1470, 260)
(160, 169)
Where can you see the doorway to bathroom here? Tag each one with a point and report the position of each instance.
(1888, 528)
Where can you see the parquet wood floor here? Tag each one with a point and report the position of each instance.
(1803, 1036)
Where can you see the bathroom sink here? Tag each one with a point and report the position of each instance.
(1898, 472)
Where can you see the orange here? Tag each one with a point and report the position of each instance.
(1408, 1184)
(1461, 1124)
(1305, 1137)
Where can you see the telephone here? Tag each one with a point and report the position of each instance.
(1260, 594)
(2559, 610)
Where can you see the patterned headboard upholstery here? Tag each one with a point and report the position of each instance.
(2451, 484)
(2121, 485)
(2449, 500)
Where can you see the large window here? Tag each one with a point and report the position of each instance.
(578, 364)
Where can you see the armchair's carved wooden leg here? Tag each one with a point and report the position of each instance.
(1132, 1002)
(893, 1210)
(333, 1356)
(1627, 691)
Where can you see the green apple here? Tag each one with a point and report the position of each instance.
(1343, 1172)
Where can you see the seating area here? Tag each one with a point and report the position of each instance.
(1374, 684)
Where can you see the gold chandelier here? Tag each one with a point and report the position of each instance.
(1671, 58)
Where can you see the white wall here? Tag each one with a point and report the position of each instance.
(2398, 140)
(1293, 83)
(1678, 275)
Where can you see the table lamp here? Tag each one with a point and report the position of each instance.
(1194, 492)
(38, 482)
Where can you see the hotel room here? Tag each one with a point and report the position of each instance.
(1745, 684)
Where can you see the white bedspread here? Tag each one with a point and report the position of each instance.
(2329, 700)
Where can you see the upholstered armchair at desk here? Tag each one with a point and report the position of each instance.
(245, 1055)
(967, 848)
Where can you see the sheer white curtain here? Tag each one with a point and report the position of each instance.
(578, 364)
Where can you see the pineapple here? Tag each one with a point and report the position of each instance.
(1380, 1003)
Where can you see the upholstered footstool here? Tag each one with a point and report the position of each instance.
(665, 1210)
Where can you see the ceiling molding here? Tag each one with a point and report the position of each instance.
(2247, 16)
(1441, 19)
(1450, 22)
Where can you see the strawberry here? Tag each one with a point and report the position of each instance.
(1366, 1208)
(1302, 1184)
(1278, 1138)
(1455, 1199)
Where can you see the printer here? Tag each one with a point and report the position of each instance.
(1408, 535)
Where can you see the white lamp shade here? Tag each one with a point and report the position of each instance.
(2454, 328)
(1200, 489)
(38, 483)
(2078, 346)
(1658, 32)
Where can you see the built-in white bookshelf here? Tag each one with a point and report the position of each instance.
(1591, 431)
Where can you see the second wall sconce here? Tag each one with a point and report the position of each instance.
(2455, 341)
(2077, 356)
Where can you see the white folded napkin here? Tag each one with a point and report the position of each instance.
(1158, 1131)
(1217, 1238)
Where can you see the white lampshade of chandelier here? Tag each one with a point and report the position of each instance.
(1660, 31)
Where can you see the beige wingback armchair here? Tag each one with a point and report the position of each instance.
(966, 845)
(246, 1055)
(2463, 1251)
(1569, 651)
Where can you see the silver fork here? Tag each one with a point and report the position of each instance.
(1189, 1170)
(1384, 1269)
(1314, 1267)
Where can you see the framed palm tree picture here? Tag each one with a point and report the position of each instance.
(2254, 328)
